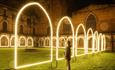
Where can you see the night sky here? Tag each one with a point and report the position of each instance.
(78, 4)
(73, 5)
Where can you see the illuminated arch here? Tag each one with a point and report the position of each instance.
(96, 39)
(38, 42)
(47, 42)
(100, 42)
(85, 39)
(42, 42)
(6, 43)
(104, 42)
(57, 35)
(70, 39)
(16, 35)
(22, 41)
(54, 41)
(12, 41)
(88, 31)
(30, 40)
(79, 42)
(62, 42)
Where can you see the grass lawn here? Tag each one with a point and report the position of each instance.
(100, 61)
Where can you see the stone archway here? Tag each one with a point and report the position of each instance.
(12, 41)
(22, 41)
(30, 42)
(4, 39)
(46, 42)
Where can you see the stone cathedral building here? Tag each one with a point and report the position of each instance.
(100, 18)
(33, 29)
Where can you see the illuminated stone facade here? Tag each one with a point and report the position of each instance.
(33, 30)
(98, 17)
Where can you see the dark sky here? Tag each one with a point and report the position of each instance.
(72, 5)
(78, 4)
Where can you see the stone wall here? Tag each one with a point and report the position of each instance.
(105, 20)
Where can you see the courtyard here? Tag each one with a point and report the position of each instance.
(98, 61)
(44, 34)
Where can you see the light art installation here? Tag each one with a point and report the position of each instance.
(85, 39)
(96, 38)
(57, 36)
(16, 36)
(22, 37)
(6, 38)
(30, 38)
(104, 42)
(100, 42)
(12, 39)
(92, 36)
(80, 38)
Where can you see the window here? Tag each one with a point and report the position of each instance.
(21, 29)
(34, 31)
(66, 28)
(4, 26)
(48, 30)
(91, 22)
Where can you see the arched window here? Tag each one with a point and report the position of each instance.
(22, 42)
(4, 41)
(4, 25)
(66, 28)
(29, 42)
(91, 22)
(34, 31)
(48, 30)
(21, 29)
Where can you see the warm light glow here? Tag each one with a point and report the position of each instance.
(16, 35)
(85, 39)
(60, 39)
(46, 42)
(80, 37)
(6, 38)
(100, 42)
(28, 65)
(96, 39)
(22, 37)
(30, 38)
(11, 39)
(92, 36)
(104, 42)
(74, 49)
(57, 36)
